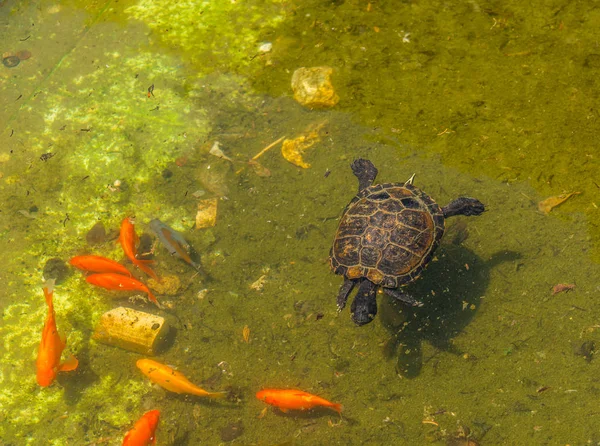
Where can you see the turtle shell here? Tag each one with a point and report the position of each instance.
(387, 234)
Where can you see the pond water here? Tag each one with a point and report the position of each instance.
(112, 109)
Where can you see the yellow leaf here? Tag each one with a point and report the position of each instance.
(545, 206)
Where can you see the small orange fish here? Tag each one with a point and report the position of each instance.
(112, 281)
(128, 239)
(143, 431)
(172, 380)
(290, 399)
(97, 264)
(48, 360)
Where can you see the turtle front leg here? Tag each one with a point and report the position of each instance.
(463, 206)
(402, 297)
(345, 291)
(364, 306)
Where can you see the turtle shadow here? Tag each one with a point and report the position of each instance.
(450, 290)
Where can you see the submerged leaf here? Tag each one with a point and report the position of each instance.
(292, 149)
(215, 150)
(259, 169)
(550, 203)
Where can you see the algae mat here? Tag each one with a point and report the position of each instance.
(115, 113)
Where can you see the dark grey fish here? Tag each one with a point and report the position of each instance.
(173, 241)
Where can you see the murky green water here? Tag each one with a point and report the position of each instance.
(492, 100)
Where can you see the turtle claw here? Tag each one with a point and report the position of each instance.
(344, 292)
(402, 297)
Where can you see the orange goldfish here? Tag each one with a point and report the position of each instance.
(286, 399)
(112, 281)
(143, 431)
(48, 361)
(98, 264)
(128, 239)
(172, 380)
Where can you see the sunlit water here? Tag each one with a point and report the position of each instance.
(115, 113)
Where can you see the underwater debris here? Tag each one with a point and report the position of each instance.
(562, 287)
(24, 54)
(96, 235)
(586, 349)
(312, 87)
(132, 330)
(28, 213)
(10, 61)
(169, 285)
(259, 283)
(215, 150)
(259, 169)
(56, 269)
(246, 334)
(232, 431)
(206, 217)
(214, 178)
(293, 149)
(545, 206)
(461, 438)
(265, 47)
(266, 149)
(46, 156)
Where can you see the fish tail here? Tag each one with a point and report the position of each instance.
(69, 365)
(153, 299)
(216, 395)
(141, 264)
(48, 295)
(337, 407)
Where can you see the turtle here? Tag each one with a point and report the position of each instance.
(386, 236)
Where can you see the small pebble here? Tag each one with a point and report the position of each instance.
(585, 349)
(265, 47)
(232, 431)
(11, 61)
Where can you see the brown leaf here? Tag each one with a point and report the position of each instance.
(259, 169)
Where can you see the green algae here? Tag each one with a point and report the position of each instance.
(491, 335)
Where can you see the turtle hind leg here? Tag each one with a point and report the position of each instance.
(402, 297)
(364, 306)
(463, 206)
(345, 291)
(365, 171)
